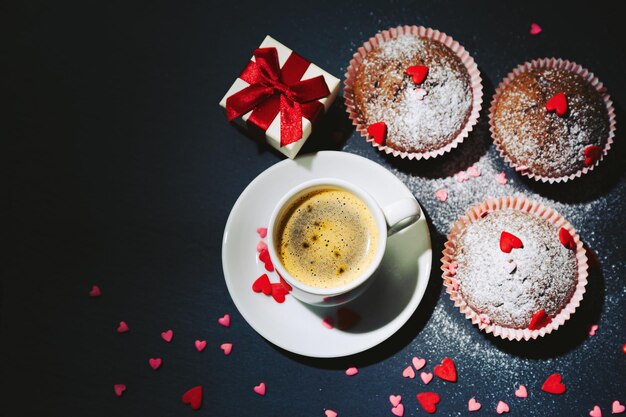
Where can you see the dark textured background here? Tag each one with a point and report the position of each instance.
(122, 170)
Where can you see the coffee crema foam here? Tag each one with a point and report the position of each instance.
(327, 238)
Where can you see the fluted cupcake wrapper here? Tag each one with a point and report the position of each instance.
(560, 64)
(537, 209)
(466, 59)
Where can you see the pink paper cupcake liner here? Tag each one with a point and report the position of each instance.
(532, 207)
(382, 37)
(560, 64)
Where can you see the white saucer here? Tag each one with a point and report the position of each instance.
(297, 327)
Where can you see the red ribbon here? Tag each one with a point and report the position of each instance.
(274, 89)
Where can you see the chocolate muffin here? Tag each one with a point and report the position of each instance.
(514, 269)
(550, 121)
(420, 114)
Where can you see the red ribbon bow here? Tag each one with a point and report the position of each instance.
(273, 89)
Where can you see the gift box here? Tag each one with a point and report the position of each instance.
(280, 95)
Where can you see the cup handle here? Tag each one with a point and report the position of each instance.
(401, 214)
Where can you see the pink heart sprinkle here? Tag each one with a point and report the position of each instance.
(502, 407)
(473, 405)
(535, 29)
(421, 93)
(442, 195)
(330, 413)
(452, 267)
(261, 246)
(262, 231)
(155, 363)
(617, 408)
(227, 348)
(521, 392)
(123, 327)
(521, 168)
(328, 322)
(408, 372)
(484, 319)
(596, 412)
(501, 178)
(510, 266)
(473, 171)
(395, 399)
(398, 410)
(167, 336)
(426, 377)
(352, 371)
(260, 389)
(592, 330)
(461, 176)
(200, 345)
(418, 363)
(225, 320)
(95, 291)
(119, 389)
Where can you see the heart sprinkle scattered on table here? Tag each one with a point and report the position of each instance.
(592, 329)
(395, 399)
(418, 363)
(167, 335)
(426, 377)
(501, 178)
(193, 397)
(224, 320)
(428, 401)
(521, 392)
(119, 389)
(442, 195)
(226, 348)
(617, 408)
(122, 327)
(535, 29)
(95, 291)
(155, 363)
(200, 345)
(260, 389)
(473, 405)
(352, 371)
(596, 412)
(553, 385)
(330, 413)
(408, 372)
(398, 410)
(502, 407)
(446, 370)
(378, 131)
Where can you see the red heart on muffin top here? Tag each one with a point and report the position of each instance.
(418, 72)
(509, 241)
(193, 397)
(553, 385)
(378, 131)
(557, 103)
(592, 154)
(428, 401)
(446, 370)
(540, 319)
(566, 239)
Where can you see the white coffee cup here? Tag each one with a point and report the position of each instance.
(389, 220)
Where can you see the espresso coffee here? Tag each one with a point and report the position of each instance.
(327, 238)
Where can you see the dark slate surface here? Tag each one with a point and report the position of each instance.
(122, 170)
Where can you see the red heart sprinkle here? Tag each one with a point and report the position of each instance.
(418, 72)
(593, 153)
(95, 291)
(553, 385)
(123, 327)
(279, 292)
(428, 401)
(446, 370)
(167, 335)
(566, 239)
(260, 389)
(262, 284)
(261, 246)
(559, 103)
(155, 363)
(200, 345)
(347, 318)
(378, 131)
(262, 231)
(540, 319)
(225, 320)
(193, 397)
(509, 241)
(119, 389)
(264, 256)
(535, 29)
